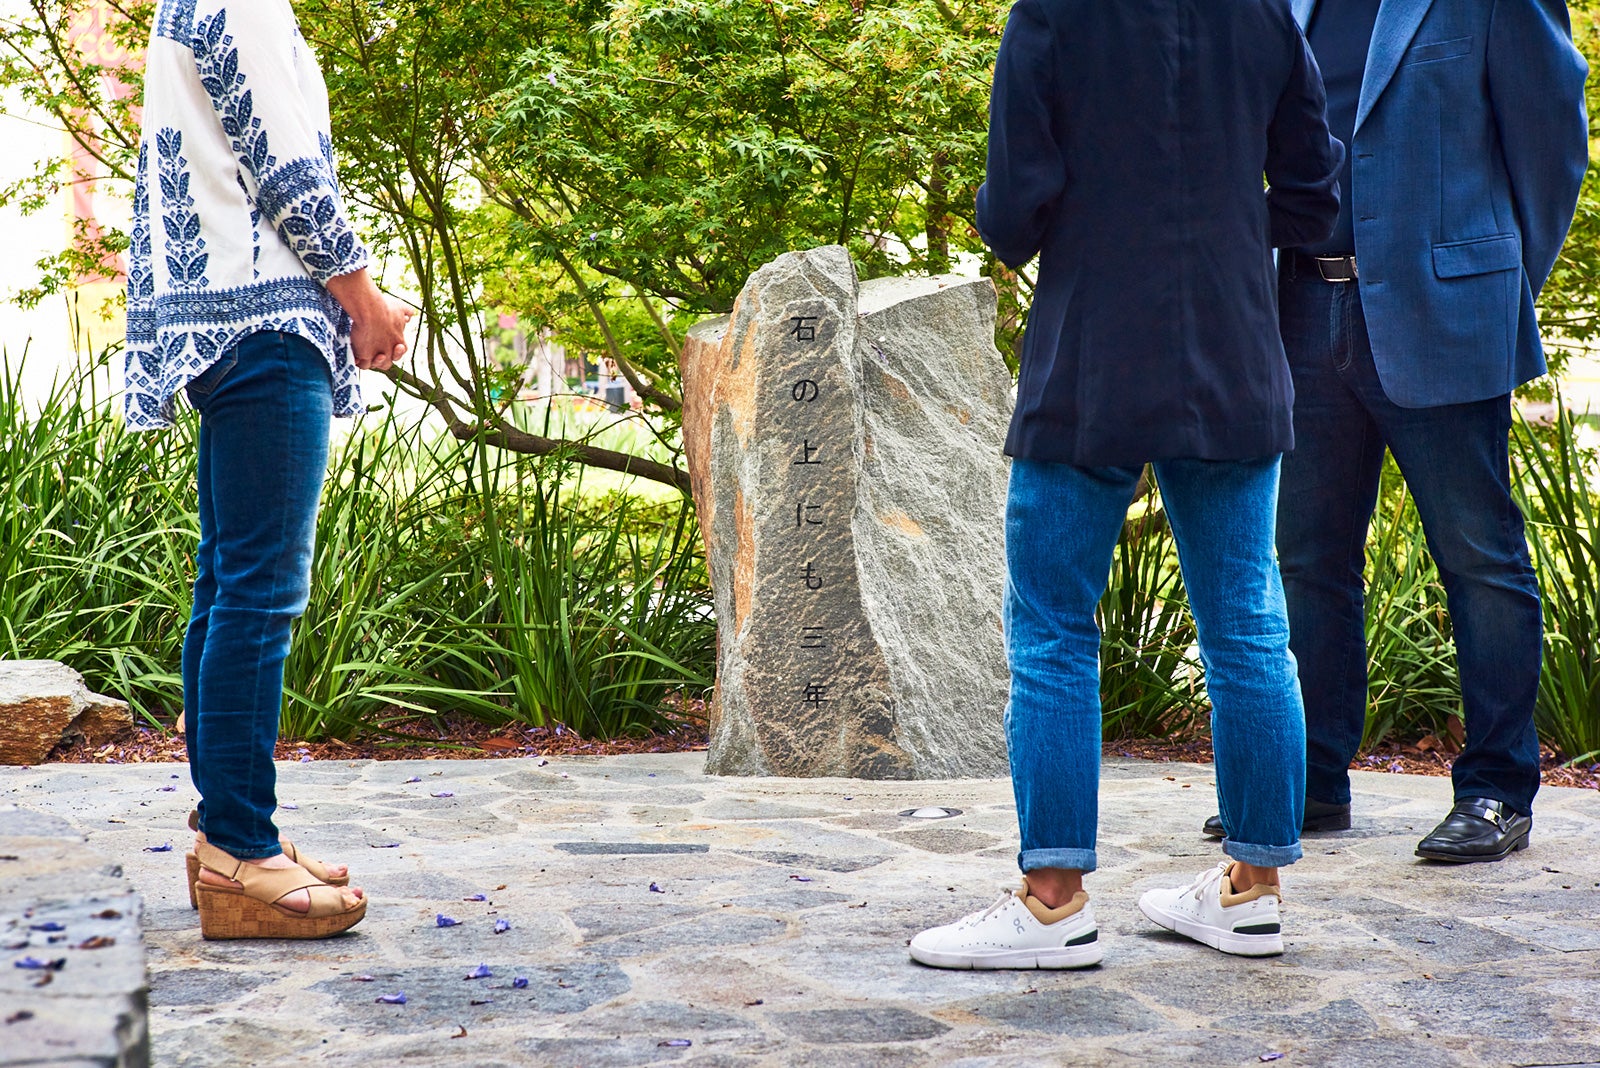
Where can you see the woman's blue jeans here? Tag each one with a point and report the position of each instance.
(265, 413)
(1062, 525)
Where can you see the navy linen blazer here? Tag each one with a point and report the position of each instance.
(1470, 145)
(1127, 147)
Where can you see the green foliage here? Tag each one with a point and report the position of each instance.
(96, 531)
(1564, 528)
(1149, 677)
(1412, 688)
(552, 611)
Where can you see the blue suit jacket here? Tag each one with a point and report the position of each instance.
(1127, 145)
(1470, 144)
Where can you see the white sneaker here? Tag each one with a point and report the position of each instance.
(1017, 931)
(1208, 911)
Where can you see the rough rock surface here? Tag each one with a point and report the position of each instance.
(43, 702)
(844, 444)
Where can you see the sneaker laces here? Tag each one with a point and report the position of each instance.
(1000, 902)
(1207, 879)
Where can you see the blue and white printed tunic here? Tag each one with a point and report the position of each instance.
(237, 218)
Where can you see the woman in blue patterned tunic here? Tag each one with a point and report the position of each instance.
(248, 290)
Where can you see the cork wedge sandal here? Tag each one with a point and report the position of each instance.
(251, 909)
(315, 867)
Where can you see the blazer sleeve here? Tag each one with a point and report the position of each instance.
(1303, 158)
(1536, 81)
(245, 57)
(1025, 174)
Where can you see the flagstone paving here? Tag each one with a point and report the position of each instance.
(661, 916)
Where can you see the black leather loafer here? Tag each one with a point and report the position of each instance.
(1477, 829)
(1319, 816)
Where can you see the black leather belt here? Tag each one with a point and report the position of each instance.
(1327, 268)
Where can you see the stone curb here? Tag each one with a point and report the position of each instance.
(61, 901)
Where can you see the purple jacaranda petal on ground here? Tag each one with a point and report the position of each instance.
(51, 926)
(675, 1043)
(801, 878)
(519, 983)
(37, 965)
(476, 897)
(502, 926)
(480, 972)
(441, 920)
(444, 793)
(415, 778)
(364, 979)
(391, 999)
(172, 776)
(481, 1001)
(305, 760)
(654, 889)
(290, 807)
(165, 789)
(1270, 1057)
(163, 848)
(384, 845)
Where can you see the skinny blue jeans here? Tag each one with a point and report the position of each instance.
(1062, 525)
(266, 409)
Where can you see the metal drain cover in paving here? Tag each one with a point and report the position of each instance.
(930, 813)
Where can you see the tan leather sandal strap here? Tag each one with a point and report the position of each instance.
(317, 869)
(327, 901)
(220, 861)
(270, 884)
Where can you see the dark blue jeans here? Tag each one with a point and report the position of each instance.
(1062, 524)
(1454, 459)
(265, 412)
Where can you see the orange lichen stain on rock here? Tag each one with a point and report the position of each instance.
(963, 415)
(744, 561)
(903, 523)
(736, 386)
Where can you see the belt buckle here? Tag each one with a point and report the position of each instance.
(1347, 264)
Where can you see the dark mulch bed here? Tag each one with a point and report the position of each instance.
(456, 738)
(462, 738)
(1427, 756)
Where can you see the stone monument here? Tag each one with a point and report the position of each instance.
(844, 443)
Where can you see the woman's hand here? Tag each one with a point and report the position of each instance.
(378, 337)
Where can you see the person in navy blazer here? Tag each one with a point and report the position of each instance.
(1128, 142)
(1408, 329)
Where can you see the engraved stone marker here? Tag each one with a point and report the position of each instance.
(844, 442)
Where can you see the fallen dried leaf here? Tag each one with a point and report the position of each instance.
(461, 1033)
(108, 914)
(97, 942)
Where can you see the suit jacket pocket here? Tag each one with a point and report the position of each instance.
(1481, 255)
(1426, 53)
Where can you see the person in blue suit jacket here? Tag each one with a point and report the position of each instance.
(1407, 329)
(1127, 147)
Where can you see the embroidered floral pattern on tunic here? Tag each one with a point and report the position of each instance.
(186, 255)
(195, 288)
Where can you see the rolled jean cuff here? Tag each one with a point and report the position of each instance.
(1075, 859)
(1262, 856)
